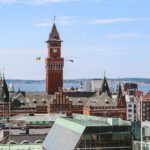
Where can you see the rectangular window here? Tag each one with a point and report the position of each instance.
(129, 105)
(129, 110)
(129, 115)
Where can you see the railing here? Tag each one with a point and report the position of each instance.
(21, 147)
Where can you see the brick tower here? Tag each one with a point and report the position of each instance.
(54, 62)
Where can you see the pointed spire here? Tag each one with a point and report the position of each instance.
(105, 87)
(54, 35)
(5, 89)
(119, 92)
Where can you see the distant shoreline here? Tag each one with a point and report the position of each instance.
(141, 81)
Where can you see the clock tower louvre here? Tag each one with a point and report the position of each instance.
(54, 62)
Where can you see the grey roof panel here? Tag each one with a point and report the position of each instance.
(61, 138)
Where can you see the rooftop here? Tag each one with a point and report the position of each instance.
(72, 129)
(21, 146)
(36, 118)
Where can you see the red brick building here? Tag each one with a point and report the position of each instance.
(146, 107)
(54, 62)
(60, 104)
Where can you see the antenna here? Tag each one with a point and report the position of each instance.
(54, 19)
(104, 73)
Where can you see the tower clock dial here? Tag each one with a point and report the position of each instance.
(54, 50)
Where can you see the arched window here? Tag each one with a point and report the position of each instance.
(38, 141)
(12, 142)
(25, 142)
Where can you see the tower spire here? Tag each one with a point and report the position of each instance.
(54, 35)
(105, 87)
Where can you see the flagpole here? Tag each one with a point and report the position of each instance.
(141, 125)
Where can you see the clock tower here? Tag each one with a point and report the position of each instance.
(54, 62)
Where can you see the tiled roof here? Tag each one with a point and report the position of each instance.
(33, 98)
(102, 100)
(78, 100)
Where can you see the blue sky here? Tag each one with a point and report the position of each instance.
(110, 35)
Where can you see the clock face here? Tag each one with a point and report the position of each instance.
(54, 50)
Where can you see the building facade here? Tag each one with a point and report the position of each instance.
(54, 62)
(105, 104)
(146, 107)
(132, 104)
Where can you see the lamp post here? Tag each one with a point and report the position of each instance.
(69, 60)
(11, 91)
(141, 122)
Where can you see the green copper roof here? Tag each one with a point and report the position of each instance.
(70, 125)
(99, 121)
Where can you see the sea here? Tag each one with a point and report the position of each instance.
(81, 84)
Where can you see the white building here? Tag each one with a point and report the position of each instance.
(131, 103)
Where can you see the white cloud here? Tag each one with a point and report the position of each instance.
(3, 2)
(117, 20)
(35, 2)
(67, 20)
(64, 21)
(121, 35)
(42, 2)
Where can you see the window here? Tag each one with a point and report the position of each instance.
(134, 110)
(129, 110)
(129, 115)
(129, 105)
